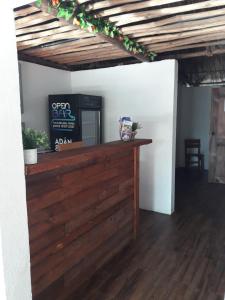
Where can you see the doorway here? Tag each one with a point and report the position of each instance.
(193, 122)
(200, 115)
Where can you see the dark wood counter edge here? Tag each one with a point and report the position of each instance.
(83, 156)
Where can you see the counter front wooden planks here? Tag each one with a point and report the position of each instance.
(82, 210)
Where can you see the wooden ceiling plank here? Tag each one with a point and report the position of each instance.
(78, 50)
(106, 4)
(33, 29)
(45, 33)
(197, 45)
(165, 47)
(180, 35)
(90, 53)
(32, 20)
(175, 20)
(73, 44)
(25, 11)
(202, 38)
(181, 27)
(27, 19)
(141, 16)
(56, 37)
(206, 52)
(86, 54)
(94, 57)
(134, 6)
(94, 52)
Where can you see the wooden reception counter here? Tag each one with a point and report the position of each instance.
(82, 209)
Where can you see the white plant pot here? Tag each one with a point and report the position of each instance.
(30, 156)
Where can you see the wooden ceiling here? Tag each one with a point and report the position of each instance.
(172, 28)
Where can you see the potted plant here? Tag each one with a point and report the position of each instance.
(128, 129)
(135, 127)
(32, 140)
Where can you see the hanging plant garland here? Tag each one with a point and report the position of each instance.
(65, 9)
(68, 9)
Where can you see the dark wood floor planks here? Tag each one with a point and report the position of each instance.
(175, 257)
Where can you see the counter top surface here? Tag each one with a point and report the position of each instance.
(84, 155)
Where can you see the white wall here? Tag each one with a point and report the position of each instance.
(14, 252)
(148, 93)
(194, 107)
(2, 278)
(37, 83)
(135, 90)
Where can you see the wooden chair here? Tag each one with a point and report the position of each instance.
(70, 146)
(193, 156)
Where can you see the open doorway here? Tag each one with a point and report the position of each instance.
(200, 117)
(193, 123)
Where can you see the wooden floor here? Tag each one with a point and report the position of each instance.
(177, 257)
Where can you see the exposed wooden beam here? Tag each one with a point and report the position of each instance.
(115, 42)
(120, 46)
(93, 60)
(104, 64)
(43, 62)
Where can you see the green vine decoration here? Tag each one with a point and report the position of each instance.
(68, 9)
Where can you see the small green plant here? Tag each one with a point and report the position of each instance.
(33, 139)
(136, 126)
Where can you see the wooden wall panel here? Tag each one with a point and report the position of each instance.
(80, 215)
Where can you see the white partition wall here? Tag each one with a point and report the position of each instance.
(147, 92)
(14, 253)
(37, 83)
